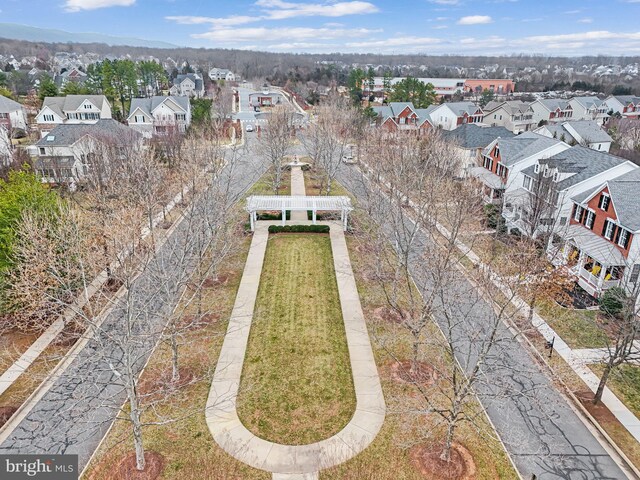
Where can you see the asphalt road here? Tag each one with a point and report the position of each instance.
(543, 435)
(75, 413)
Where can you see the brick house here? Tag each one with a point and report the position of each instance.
(602, 243)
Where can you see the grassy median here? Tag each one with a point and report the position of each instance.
(296, 384)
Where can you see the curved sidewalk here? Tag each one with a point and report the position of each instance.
(221, 414)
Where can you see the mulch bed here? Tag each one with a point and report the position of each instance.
(6, 413)
(126, 469)
(600, 412)
(422, 373)
(426, 458)
(193, 322)
(219, 280)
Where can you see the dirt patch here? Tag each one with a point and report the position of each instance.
(194, 322)
(421, 372)
(600, 412)
(426, 458)
(6, 413)
(157, 384)
(219, 280)
(126, 469)
(389, 314)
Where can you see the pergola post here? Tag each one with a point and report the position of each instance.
(313, 216)
(284, 217)
(345, 215)
(252, 221)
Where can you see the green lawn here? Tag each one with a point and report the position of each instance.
(296, 384)
(624, 381)
(578, 328)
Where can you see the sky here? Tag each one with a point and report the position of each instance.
(473, 27)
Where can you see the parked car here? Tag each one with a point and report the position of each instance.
(249, 127)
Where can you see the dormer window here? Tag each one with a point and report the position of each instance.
(603, 203)
(536, 168)
(87, 106)
(556, 175)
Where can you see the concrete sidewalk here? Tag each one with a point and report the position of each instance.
(297, 188)
(299, 461)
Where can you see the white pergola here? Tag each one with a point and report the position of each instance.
(257, 203)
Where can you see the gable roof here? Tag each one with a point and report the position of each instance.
(553, 104)
(626, 99)
(7, 105)
(525, 145)
(589, 131)
(148, 105)
(393, 109)
(578, 164)
(460, 108)
(194, 78)
(512, 107)
(72, 102)
(624, 195)
(588, 102)
(67, 134)
(471, 135)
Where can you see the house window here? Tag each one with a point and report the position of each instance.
(623, 239)
(41, 150)
(577, 214)
(609, 229)
(536, 168)
(488, 163)
(635, 273)
(527, 183)
(87, 106)
(603, 203)
(589, 220)
(138, 118)
(48, 118)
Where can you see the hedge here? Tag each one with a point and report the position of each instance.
(299, 229)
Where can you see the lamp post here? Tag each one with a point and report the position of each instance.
(549, 346)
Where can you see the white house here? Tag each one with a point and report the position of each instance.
(515, 116)
(449, 116)
(217, 74)
(504, 159)
(571, 172)
(72, 109)
(160, 115)
(12, 114)
(589, 108)
(65, 154)
(188, 85)
(551, 110)
(582, 132)
(628, 106)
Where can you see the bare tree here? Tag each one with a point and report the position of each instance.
(337, 127)
(276, 141)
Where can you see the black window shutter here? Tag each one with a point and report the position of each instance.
(601, 201)
(617, 235)
(627, 240)
(604, 227)
(606, 205)
(593, 221)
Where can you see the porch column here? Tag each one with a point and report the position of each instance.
(284, 217)
(344, 223)
(313, 215)
(603, 273)
(251, 221)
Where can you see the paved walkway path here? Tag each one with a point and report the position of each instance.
(299, 462)
(297, 188)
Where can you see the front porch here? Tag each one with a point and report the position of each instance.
(596, 265)
(492, 185)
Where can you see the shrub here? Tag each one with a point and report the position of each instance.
(273, 216)
(492, 215)
(612, 302)
(299, 229)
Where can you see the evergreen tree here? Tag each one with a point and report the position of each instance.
(48, 88)
(413, 90)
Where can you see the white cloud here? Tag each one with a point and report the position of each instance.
(295, 34)
(78, 5)
(585, 20)
(475, 20)
(279, 10)
(217, 22)
(440, 27)
(446, 2)
(582, 37)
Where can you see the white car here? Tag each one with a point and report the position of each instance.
(249, 128)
